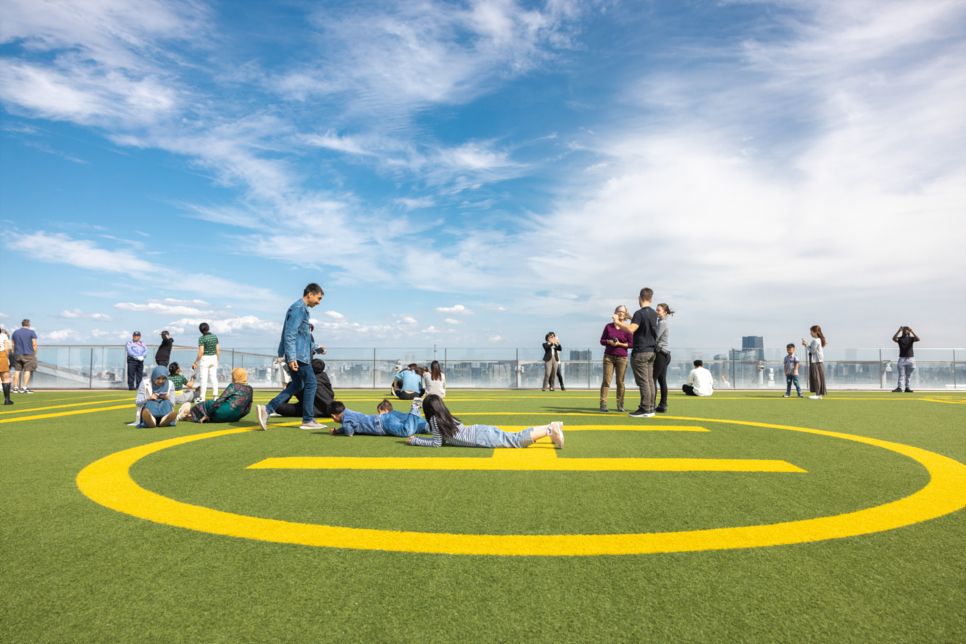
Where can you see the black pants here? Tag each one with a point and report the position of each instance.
(135, 373)
(161, 362)
(660, 375)
(288, 409)
(688, 389)
(560, 376)
(402, 395)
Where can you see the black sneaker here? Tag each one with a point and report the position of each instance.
(908, 391)
(7, 402)
(640, 413)
(661, 409)
(562, 388)
(604, 408)
(620, 407)
(897, 390)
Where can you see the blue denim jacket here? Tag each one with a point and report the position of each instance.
(296, 343)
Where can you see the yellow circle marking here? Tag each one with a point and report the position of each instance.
(109, 483)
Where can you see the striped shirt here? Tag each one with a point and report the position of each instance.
(465, 436)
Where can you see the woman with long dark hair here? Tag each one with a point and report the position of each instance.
(434, 381)
(663, 357)
(447, 429)
(816, 368)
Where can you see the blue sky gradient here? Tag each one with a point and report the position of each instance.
(482, 172)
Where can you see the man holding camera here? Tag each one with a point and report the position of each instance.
(907, 359)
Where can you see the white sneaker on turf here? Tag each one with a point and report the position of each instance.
(26, 391)
(185, 411)
(262, 414)
(815, 397)
(556, 434)
(418, 403)
(312, 425)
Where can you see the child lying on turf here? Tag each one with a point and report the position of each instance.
(386, 423)
(448, 429)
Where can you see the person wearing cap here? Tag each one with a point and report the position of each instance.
(163, 354)
(135, 361)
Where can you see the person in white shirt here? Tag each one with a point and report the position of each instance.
(434, 380)
(816, 367)
(700, 381)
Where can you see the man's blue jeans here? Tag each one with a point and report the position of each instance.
(404, 425)
(790, 378)
(302, 380)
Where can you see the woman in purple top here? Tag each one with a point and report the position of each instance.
(617, 342)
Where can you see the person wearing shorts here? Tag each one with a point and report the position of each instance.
(24, 356)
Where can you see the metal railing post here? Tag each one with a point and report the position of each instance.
(90, 373)
(879, 371)
(588, 368)
(373, 368)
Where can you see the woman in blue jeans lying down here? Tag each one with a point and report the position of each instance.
(447, 429)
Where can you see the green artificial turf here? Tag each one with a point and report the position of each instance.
(75, 571)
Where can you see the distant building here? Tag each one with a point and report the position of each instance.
(580, 355)
(753, 347)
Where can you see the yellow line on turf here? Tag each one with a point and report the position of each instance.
(108, 482)
(96, 402)
(64, 413)
(537, 457)
(42, 399)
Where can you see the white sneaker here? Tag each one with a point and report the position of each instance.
(815, 397)
(418, 403)
(26, 391)
(556, 434)
(312, 425)
(185, 411)
(262, 414)
(274, 415)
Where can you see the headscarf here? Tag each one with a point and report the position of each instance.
(239, 376)
(159, 372)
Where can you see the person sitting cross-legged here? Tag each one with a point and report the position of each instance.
(700, 381)
(184, 389)
(408, 383)
(232, 405)
(154, 400)
(447, 429)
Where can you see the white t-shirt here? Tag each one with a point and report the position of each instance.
(4, 339)
(702, 381)
(815, 349)
(437, 387)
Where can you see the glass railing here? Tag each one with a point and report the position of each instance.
(105, 367)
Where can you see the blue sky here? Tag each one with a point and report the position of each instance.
(482, 172)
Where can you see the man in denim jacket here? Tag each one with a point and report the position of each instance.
(296, 346)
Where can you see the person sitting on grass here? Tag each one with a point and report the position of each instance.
(323, 395)
(447, 429)
(184, 389)
(385, 423)
(154, 400)
(234, 403)
(700, 381)
(407, 384)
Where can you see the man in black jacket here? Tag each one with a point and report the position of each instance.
(163, 355)
(323, 395)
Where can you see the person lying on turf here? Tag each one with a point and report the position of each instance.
(234, 403)
(154, 400)
(447, 429)
(386, 423)
(323, 395)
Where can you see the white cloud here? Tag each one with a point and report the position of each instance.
(231, 324)
(159, 308)
(116, 335)
(4, 316)
(452, 321)
(412, 204)
(176, 302)
(335, 315)
(63, 335)
(459, 309)
(76, 314)
(495, 338)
